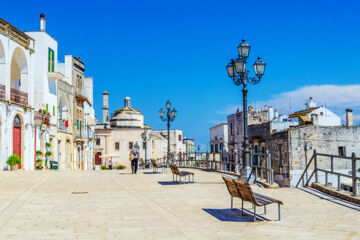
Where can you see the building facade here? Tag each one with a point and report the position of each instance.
(219, 138)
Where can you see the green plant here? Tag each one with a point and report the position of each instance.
(104, 168)
(39, 164)
(25, 108)
(39, 152)
(13, 160)
(48, 153)
(47, 144)
(120, 167)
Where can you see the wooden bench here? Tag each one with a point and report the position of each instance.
(156, 166)
(175, 171)
(243, 191)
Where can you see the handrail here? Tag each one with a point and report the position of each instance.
(306, 168)
(317, 169)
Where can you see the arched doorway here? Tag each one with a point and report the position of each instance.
(18, 77)
(17, 137)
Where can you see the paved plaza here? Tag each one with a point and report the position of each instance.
(119, 205)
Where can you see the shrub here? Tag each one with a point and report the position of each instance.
(48, 153)
(13, 160)
(48, 144)
(39, 152)
(104, 168)
(120, 167)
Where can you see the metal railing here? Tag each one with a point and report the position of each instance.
(41, 118)
(227, 163)
(332, 170)
(2, 92)
(62, 124)
(19, 97)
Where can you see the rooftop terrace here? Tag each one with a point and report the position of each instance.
(40, 205)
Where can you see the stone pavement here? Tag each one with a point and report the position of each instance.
(119, 205)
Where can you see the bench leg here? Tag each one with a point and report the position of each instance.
(242, 208)
(231, 202)
(254, 213)
(279, 212)
(264, 209)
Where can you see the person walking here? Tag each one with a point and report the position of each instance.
(134, 158)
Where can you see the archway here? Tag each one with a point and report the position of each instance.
(18, 77)
(17, 137)
(2, 71)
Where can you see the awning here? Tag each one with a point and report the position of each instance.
(305, 118)
(111, 155)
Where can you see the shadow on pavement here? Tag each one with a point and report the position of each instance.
(228, 215)
(174, 183)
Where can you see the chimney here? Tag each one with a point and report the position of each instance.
(349, 117)
(276, 113)
(105, 106)
(315, 119)
(42, 22)
(270, 113)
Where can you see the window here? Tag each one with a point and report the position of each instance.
(51, 63)
(342, 151)
(179, 137)
(131, 145)
(212, 148)
(98, 141)
(220, 146)
(117, 146)
(216, 148)
(231, 129)
(144, 145)
(256, 157)
(280, 157)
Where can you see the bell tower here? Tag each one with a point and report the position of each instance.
(105, 107)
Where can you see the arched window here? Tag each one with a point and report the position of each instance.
(17, 120)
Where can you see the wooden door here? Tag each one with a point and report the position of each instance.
(97, 158)
(17, 141)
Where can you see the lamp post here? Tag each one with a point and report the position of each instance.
(170, 116)
(146, 137)
(237, 72)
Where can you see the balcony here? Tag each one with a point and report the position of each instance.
(81, 94)
(41, 118)
(58, 72)
(84, 135)
(15, 34)
(19, 97)
(63, 124)
(2, 92)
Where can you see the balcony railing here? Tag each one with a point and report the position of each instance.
(19, 97)
(81, 93)
(62, 124)
(41, 118)
(83, 135)
(2, 92)
(9, 30)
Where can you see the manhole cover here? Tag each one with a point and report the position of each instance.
(79, 192)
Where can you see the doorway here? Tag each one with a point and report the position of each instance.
(17, 138)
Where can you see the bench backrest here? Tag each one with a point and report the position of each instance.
(245, 191)
(231, 187)
(174, 169)
(153, 162)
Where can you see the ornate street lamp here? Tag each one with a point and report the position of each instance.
(146, 137)
(237, 72)
(170, 116)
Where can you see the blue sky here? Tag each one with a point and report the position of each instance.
(158, 50)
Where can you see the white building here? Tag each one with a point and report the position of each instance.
(16, 96)
(219, 138)
(160, 143)
(326, 117)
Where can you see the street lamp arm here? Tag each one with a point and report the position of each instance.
(253, 80)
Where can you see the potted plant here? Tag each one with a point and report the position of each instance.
(39, 164)
(13, 161)
(48, 154)
(47, 144)
(39, 153)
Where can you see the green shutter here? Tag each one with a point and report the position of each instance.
(53, 110)
(47, 108)
(51, 62)
(77, 124)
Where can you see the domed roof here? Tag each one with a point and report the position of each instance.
(127, 98)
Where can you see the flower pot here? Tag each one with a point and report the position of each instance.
(14, 167)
